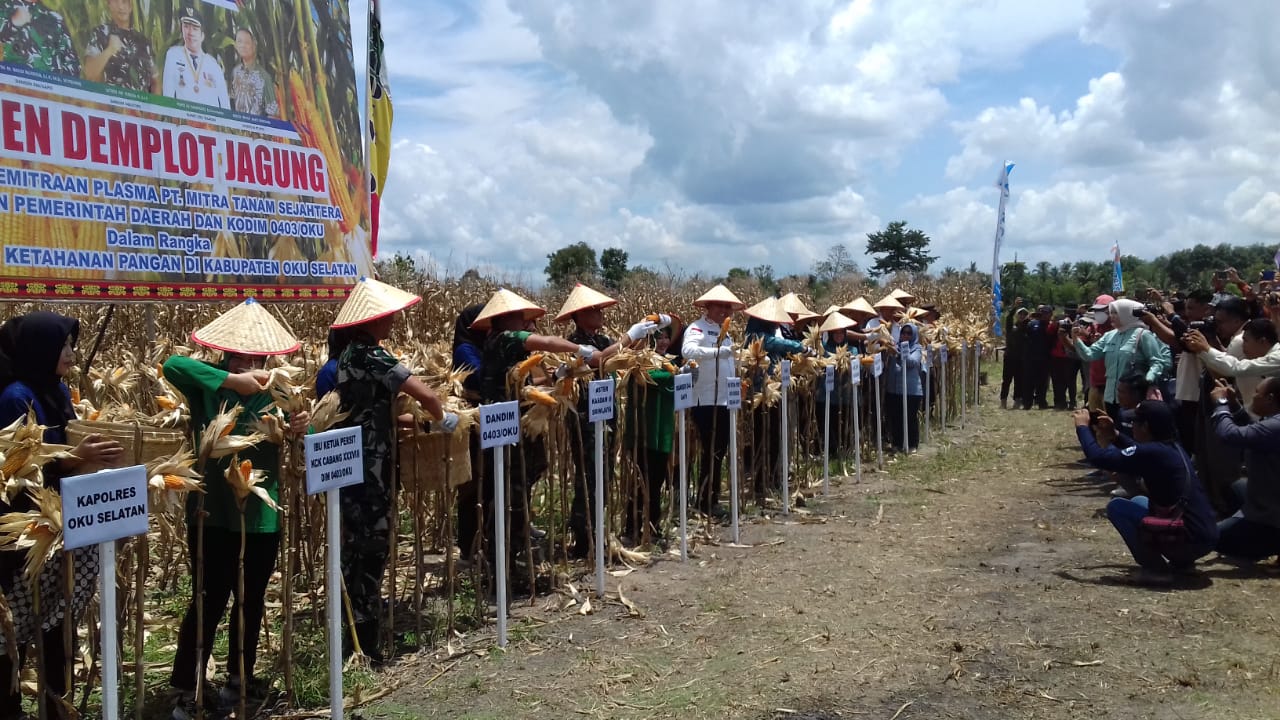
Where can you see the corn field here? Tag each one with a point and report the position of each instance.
(432, 595)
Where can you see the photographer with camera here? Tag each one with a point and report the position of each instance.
(1170, 527)
(1170, 327)
(1129, 348)
(1258, 343)
(1253, 533)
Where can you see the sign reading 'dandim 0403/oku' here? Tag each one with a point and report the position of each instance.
(104, 506)
(499, 424)
(183, 149)
(335, 459)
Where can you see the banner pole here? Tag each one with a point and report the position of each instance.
(786, 455)
(826, 445)
(857, 426)
(879, 427)
(964, 389)
(906, 439)
(928, 389)
(946, 386)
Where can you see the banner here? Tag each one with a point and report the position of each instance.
(180, 149)
(1117, 275)
(997, 295)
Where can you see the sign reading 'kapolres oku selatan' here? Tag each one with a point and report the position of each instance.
(198, 149)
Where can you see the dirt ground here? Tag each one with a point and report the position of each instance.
(977, 579)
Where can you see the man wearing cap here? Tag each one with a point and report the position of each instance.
(1015, 340)
(369, 380)
(252, 89)
(1041, 334)
(247, 334)
(585, 307)
(707, 343)
(190, 73)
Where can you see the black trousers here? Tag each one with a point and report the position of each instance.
(1188, 418)
(1063, 371)
(1036, 381)
(1012, 375)
(712, 423)
(644, 506)
(53, 668)
(893, 414)
(221, 561)
(582, 448)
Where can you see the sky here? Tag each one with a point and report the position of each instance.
(700, 135)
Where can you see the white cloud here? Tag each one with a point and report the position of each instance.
(702, 135)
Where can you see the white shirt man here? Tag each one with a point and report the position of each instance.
(190, 73)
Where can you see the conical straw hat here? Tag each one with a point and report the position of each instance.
(830, 309)
(769, 310)
(247, 329)
(914, 313)
(794, 305)
(504, 302)
(719, 294)
(836, 321)
(806, 316)
(888, 301)
(902, 296)
(583, 298)
(372, 299)
(860, 307)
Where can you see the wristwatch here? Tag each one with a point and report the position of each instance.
(1223, 402)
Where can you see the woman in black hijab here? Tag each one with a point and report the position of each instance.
(37, 350)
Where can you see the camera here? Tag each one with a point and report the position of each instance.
(1178, 325)
(1094, 417)
(1154, 308)
(1206, 327)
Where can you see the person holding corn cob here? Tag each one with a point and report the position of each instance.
(509, 342)
(585, 307)
(37, 351)
(707, 343)
(246, 335)
(369, 380)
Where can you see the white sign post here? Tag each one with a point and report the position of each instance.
(877, 368)
(826, 431)
(902, 363)
(946, 386)
(600, 411)
(964, 374)
(334, 460)
(499, 427)
(733, 399)
(683, 401)
(99, 509)
(855, 376)
(785, 428)
(977, 373)
(927, 357)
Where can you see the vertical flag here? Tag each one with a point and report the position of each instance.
(1277, 258)
(997, 301)
(1117, 277)
(379, 108)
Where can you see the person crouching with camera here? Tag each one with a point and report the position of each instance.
(1172, 526)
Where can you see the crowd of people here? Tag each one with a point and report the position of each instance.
(117, 53)
(493, 341)
(1182, 413)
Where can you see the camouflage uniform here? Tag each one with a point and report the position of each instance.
(582, 448)
(369, 379)
(528, 460)
(42, 43)
(133, 67)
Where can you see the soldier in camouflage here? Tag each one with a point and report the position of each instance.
(35, 36)
(369, 379)
(116, 54)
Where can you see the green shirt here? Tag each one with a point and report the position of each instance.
(201, 383)
(651, 418)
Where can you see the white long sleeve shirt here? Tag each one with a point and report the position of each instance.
(701, 344)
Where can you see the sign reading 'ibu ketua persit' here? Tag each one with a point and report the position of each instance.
(335, 459)
(104, 506)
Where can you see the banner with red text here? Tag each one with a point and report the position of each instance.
(180, 149)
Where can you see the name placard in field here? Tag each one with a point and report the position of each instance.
(335, 459)
(600, 397)
(104, 506)
(683, 391)
(499, 424)
(733, 393)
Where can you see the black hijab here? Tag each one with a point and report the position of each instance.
(339, 339)
(462, 332)
(30, 347)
